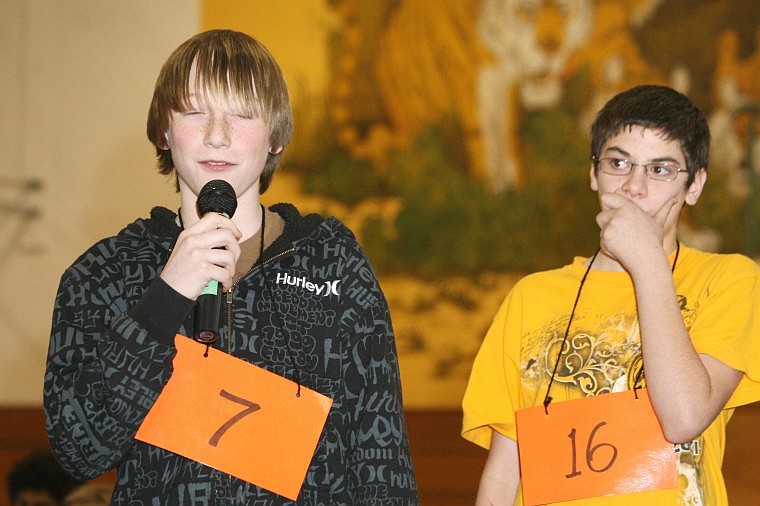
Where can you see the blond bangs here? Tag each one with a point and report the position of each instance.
(229, 69)
(217, 83)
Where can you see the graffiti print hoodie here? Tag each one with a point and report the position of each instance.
(312, 312)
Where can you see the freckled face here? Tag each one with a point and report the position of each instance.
(212, 140)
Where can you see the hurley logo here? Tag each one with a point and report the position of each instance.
(324, 288)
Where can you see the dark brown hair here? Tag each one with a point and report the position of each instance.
(658, 108)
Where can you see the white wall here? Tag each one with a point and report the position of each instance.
(74, 92)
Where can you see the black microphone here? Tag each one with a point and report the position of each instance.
(216, 196)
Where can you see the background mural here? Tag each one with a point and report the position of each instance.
(452, 137)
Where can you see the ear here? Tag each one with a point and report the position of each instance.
(592, 177)
(165, 145)
(696, 187)
(276, 150)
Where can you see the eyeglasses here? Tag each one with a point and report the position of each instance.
(660, 171)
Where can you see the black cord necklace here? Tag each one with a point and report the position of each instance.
(547, 397)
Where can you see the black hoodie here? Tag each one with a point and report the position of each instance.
(312, 312)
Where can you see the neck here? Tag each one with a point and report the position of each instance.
(605, 262)
(248, 218)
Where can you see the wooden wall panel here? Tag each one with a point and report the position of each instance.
(22, 431)
(447, 467)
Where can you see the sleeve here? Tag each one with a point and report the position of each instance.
(105, 368)
(492, 395)
(727, 325)
(380, 462)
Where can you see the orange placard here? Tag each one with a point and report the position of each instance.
(592, 447)
(237, 418)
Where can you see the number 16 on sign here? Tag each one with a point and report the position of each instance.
(592, 447)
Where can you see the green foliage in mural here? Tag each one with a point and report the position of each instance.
(347, 180)
(734, 217)
(449, 222)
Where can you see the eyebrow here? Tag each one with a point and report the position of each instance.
(627, 155)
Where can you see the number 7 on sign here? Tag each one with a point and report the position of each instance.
(251, 407)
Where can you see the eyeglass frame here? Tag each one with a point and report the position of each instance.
(597, 163)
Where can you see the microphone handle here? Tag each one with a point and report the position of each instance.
(208, 308)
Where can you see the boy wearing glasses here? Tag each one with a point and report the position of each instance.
(644, 313)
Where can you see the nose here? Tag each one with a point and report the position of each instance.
(635, 183)
(217, 131)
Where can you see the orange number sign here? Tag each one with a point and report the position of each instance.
(602, 445)
(236, 417)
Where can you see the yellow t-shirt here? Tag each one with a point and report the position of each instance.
(717, 294)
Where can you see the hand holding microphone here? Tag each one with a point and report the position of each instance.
(202, 262)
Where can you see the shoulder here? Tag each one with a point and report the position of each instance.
(542, 289)
(570, 273)
(312, 228)
(296, 224)
(719, 263)
(141, 241)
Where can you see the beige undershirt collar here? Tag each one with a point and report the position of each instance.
(249, 249)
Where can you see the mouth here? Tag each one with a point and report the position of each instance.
(216, 165)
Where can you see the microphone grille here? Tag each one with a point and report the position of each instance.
(217, 196)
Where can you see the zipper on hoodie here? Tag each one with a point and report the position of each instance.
(229, 323)
(254, 268)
